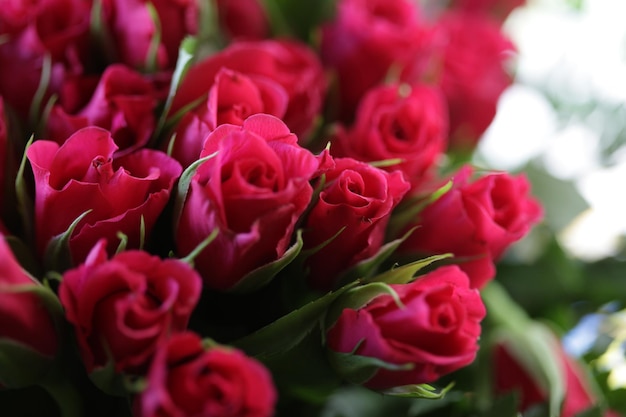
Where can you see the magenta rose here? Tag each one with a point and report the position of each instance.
(365, 40)
(123, 103)
(58, 28)
(124, 308)
(253, 191)
(186, 379)
(243, 19)
(231, 99)
(511, 375)
(82, 175)
(23, 317)
(133, 29)
(473, 74)
(433, 333)
(403, 121)
(3, 154)
(291, 64)
(359, 198)
(476, 221)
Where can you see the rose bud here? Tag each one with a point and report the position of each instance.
(365, 40)
(476, 221)
(186, 379)
(232, 98)
(291, 64)
(27, 326)
(123, 103)
(253, 191)
(473, 73)
(133, 30)
(510, 374)
(360, 199)
(81, 177)
(409, 122)
(429, 328)
(123, 308)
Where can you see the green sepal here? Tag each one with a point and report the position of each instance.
(263, 275)
(386, 162)
(57, 256)
(24, 202)
(419, 391)
(186, 52)
(109, 381)
(20, 365)
(367, 267)
(358, 369)
(409, 210)
(189, 259)
(36, 104)
(286, 332)
(24, 255)
(182, 189)
(406, 273)
(151, 64)
(123, 242)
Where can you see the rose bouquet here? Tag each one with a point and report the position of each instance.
(240, 208)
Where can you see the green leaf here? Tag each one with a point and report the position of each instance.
(359, 369)
(419, 391)
(289, 330)
(109, 381)
(263, 275)
(406, 273)
(20, 365)
(503, 406)
(182, 188)
(57, 256)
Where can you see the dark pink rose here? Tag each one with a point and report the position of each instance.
(499, 9)
(360, 198)
(3, 154)
(55, 28)
(231, 99)
(243, 19)
(366, 40)
(123, 103)
(473, 73)
(476, 221)
(133, 29)
(511, 375)
(23, 316)
(403, 121)
(81, 175)
(124, 308)
(253, 191)
(186, 379)
(434, 333)
(289, 63)
(16, 14)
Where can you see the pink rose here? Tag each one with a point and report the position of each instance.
(365, 40)
(58, 28)
(123, 103)
(403, 121)
(511, 375)
(186, 379)
(243, 19)
(23, 316)
(289, 63)
(3, 155)
(499, 9)
(253, 191)
(82, 175)
(123, 308)
(133, 29)
(434, 333)
(232, 99)
(476, 221)
(473, 73)
(360, 198)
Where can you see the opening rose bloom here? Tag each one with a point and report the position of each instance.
(359, 198)
(123, 308)
(476, 221)
(253, 191)
(431, 332)
(187, 380)
(82, 175)
(406, 121)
